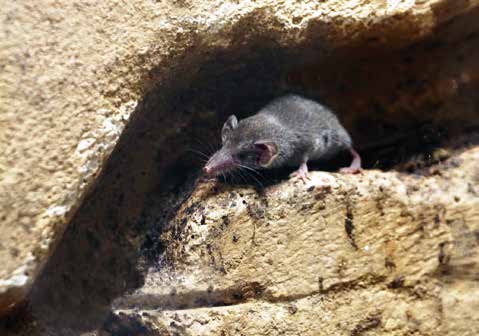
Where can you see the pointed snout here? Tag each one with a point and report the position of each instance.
(220, 162)
(210, 166)
(207, 170)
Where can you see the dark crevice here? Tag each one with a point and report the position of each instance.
(349, 227)
(237, 294)
(241, 293)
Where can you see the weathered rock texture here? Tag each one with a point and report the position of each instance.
(73, 73)
(386, 253)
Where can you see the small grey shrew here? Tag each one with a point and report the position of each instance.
(289, 131)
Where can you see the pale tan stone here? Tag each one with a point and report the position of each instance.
(283, 263)
(72, 73)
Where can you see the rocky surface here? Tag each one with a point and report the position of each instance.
(383, 253)
(73, 74)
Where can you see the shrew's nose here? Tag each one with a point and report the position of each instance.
(206, 170)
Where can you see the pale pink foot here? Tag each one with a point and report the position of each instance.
(301, 174)
(355, 166)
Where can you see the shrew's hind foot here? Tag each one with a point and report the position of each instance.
(355, 166)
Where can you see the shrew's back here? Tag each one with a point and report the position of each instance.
(301, 114)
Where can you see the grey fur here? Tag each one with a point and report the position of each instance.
(302, 130)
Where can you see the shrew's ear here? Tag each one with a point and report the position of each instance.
(267, 152)
(229, 126)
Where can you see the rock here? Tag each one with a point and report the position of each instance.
(380, 252)
(73, 75)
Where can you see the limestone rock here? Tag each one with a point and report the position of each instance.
(74, 72)
(383, 253)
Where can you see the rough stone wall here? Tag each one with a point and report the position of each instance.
(72, 74)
